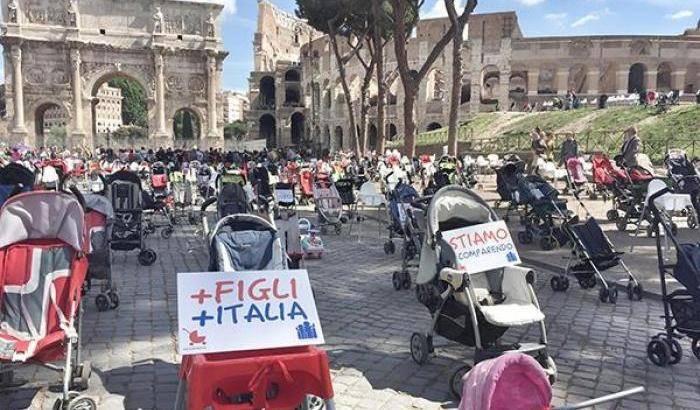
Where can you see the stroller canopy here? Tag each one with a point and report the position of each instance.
(452, 207)
(245, 242)
(42, 215)
(100, 204)
(513, 381)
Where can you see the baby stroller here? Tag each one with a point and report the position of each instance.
(445, 174)
(273, 378)
(413, 229)
(399, 198)
(42, 243)
(15, 179)
(473, 309)
(605, 174)
(287, 222)
(682, 306)
(517, 382)
(306, 186)
(544, 213)
(686, 180)
(129, 231)
(592, 254)
(159, 181)
(629, 195)
(99, 217)
(157, 214)
(329, 206)
(231, 197)
(204, 176)
(575, 177)
(507, 177)
(346, 190)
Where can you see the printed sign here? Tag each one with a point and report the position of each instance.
(284, 196)
(223, 312)
(482, 247)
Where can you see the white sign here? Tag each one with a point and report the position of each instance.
(482, 247)
(284, 196)
(223, 312)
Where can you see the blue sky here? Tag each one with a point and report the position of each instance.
(536, 17)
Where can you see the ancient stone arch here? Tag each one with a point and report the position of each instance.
(54, 50)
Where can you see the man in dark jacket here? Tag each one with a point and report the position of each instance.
(569, 149)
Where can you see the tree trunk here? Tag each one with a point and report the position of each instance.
(346, 89)
(381, 85)
(409, 123)
(364, 108)
(456, 94)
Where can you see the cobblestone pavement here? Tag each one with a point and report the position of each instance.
(598, 348)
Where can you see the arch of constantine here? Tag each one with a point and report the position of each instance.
(60, 54)
(502, 69)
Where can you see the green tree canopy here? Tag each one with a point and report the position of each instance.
(237, 129)
(134, 107)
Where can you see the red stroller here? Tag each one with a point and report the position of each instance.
(306, 184)
(604, 176)
(42, 270)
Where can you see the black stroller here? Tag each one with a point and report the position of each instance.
(346, 190)
(682, 306)
(592, 253)
(507, 177)
(544, 212)
(129, 230)
(15, 179)
(413, 229)
(686, 180)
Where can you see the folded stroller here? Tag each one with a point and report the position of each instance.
(593, 254)
(99, 218)
(477, 309)
(273, 378)
(42, 273)
(129, 231)
(399, 198)
(517, 382)
(413, 229)
(346, 190)
(329, 206)
(682, 306)
(15, 179)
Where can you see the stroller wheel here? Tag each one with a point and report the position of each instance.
(695, 347)
(396, 281)
(338, 229)
(612, 295)
(676, 351)
(659, 352)
(635, 292)
(312, 403)
(389, 248)
(102, 302)
(456, 381)
(613, 215)
(81, 403)
(166, 233)
(147, 257)
(650, 231)
(603, 294)
(674, 229)
(621, 224)
(419, 348)
(406, 282)
(548, 243)
(559, 283)
(114, 299)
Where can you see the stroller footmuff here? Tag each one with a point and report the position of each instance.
(472, 309)
(42, 271)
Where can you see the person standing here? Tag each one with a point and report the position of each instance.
(630, 148)
(569, 149)
(539, 148)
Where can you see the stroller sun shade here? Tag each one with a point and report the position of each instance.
(244, 243)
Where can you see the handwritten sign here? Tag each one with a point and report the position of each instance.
(482, 247)
(284, 196)
(223, 312)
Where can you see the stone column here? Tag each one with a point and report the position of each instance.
(562, 81)
(78, 123)
(622, 82)
(504, 91)
(651, 77)
(678, 79)
(19, 128)
(533, 79)
(593, 80)
(211, 95)
(477, 78)
(161, 130)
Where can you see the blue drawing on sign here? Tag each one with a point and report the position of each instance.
(512, 257)
(306, 331)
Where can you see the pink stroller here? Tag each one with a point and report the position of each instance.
(515, 381)
(575, 177)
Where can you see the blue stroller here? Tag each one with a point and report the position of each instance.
(401, 196)
(544, 212)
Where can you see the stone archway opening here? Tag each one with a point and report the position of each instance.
(692, 79)
(292, 76)
(391, 132)
(636, 79)
(372, 137)
(187, 125)
(292, 96)
(433, 126)
(327, 137)
(268, 130)
(663, 78)
(297, 121)
(119, 110)
(491, 85)
(517, 86)
(50, 121)
(267, 92)
(339, 136)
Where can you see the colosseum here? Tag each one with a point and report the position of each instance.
(296, 95)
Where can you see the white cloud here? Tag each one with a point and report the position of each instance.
(557, 17)
(594, 16)
(530, 3)
(229, 6)
(683, 14)
(438, 10)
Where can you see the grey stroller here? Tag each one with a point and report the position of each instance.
(472, 309)
(99, 219)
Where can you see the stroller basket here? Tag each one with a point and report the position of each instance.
(686, 311)
(454, 323)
